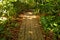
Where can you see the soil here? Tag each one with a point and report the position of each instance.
(30, 28)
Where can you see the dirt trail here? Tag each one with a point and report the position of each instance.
(30, 28)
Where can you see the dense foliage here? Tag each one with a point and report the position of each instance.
(50, 22)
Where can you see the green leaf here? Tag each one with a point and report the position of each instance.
(55, 24)
(47, 0)
(12, 0)
(1, 27)
(2, 39)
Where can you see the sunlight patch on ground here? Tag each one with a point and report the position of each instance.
(24, 18)
(28, 17)
(31, 17)
(35, 26)
(29, 12)
(30, 32)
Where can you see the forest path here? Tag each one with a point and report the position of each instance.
(30, 28)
